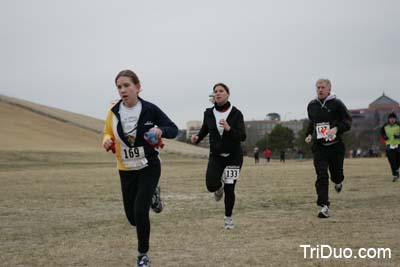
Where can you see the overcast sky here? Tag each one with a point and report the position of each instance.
(66, 54)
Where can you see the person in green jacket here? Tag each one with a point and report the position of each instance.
(391, 133)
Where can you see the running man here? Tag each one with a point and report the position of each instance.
(328, 120)
(391, 133)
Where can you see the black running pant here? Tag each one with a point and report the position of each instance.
(393, 156)
(327, 158)
(256, 158)
(215, 169)
(137, 191)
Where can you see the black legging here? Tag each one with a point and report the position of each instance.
(137, 191)
(215, 169)
(229, 200)
(393, 156)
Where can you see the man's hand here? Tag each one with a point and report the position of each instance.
(331, 134)
(308, 139)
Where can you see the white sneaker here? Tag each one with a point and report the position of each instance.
(219, 193)
(324, 212)
(228, 223)
(143, 261)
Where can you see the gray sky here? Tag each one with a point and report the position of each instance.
(66, 54)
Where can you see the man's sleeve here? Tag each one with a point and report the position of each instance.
(344, 124)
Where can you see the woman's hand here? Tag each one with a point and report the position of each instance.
(108, 143)
(157, 131)
(194, 139)
(225, 124)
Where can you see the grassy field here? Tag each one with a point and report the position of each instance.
(60, 204)
(65, 209)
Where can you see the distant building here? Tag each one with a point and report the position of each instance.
(273, 117)
(367, 121)
(376, 114)
(294, 125)
(257, 129)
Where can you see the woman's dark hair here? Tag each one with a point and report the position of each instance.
(130, 74)
(223, 85)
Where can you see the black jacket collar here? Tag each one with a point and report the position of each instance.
(210, 112)
(115, 109)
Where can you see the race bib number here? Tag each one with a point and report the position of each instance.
(394, 146)
(322, 129)
(133, 157)
(231, 173)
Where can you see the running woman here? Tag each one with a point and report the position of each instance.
(225, 125)
(329, 119)
(138, 162)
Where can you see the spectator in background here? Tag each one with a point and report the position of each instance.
(391, 133)
(282, 156)
(256, 155)
(268, 154)
(358, 153)
(300, 154)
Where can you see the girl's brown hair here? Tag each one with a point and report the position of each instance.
(130, 74)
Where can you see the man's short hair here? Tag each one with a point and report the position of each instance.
(326, 81)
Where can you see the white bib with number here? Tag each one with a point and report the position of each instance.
(231, 173)
(322, 128)
(394, 146)
(133, 157)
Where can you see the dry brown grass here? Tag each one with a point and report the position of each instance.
(65, 209)
(23, 130)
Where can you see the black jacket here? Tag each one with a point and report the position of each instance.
(150, 116)
(229, 142)
(332, 111)
(383, 131)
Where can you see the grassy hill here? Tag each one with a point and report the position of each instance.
(27, 126)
